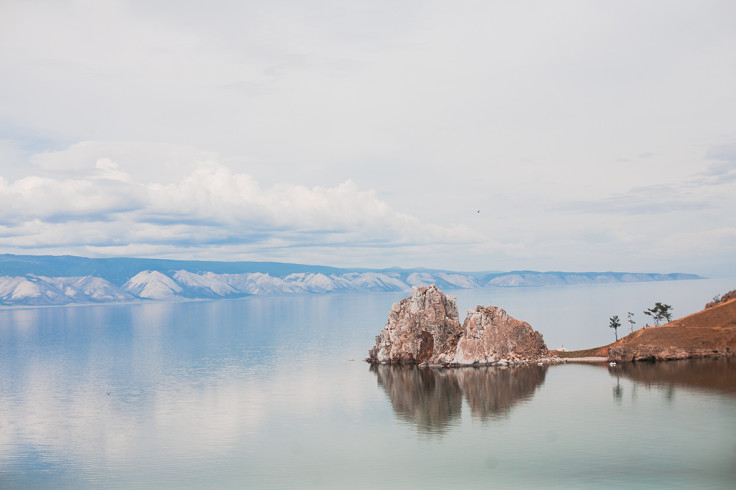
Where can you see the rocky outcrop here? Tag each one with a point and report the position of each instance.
(424, 329)
(491, 336)
(420, 329)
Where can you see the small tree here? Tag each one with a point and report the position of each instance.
(631, 321)
(614, 324)
(665, 311)
(652, 312)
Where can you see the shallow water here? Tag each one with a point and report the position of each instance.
(272, 393)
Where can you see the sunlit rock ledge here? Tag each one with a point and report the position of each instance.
(424, 329)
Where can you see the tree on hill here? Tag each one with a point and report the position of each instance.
(614, 324)
(659, 312)
(631, 320)
(666, 311)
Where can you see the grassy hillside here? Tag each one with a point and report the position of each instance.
(708, 332)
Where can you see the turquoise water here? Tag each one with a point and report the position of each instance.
(272, 393)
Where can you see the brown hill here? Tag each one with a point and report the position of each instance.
(707, 333)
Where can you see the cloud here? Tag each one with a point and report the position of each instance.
(96, 198)
(652, 200)
(145, 161)
(711, 189)
(215, 194)
(722, 152)
(217, 212)
(105, 207)
(723, 166)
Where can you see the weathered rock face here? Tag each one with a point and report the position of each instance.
(424, 329)
(419, 329)
(490, 335)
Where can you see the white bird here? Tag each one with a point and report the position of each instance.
(612, 363)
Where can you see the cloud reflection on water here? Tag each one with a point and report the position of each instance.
(432, 398)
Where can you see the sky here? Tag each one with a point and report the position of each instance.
(460, 135)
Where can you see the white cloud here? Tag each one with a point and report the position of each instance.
(216, 212)
(144, 161)
(104, 207)
(214, 194)
(92, 199)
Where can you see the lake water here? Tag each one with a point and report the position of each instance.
(272, 393)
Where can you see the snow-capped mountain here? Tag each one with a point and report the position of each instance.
(205, 284)
(40, 290)
(117, 280)
(152, 285)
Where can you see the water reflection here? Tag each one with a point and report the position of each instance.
(713, 375)
(618, 391)
(432, 398)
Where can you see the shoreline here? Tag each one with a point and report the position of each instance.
(585, 360)
(503, 363)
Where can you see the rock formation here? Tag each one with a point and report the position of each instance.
(424, 329)
(420, 329)
(490, 335)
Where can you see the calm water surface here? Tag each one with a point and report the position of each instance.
(272, 393)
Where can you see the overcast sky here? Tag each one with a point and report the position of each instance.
(465, 135)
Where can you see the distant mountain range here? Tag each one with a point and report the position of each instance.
(57, 280)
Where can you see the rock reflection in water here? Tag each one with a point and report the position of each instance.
(432, 398)
(491, 392)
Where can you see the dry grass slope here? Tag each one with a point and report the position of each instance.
(707, 333)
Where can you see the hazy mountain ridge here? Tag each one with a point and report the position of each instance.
(39, 290)
(118, 280)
